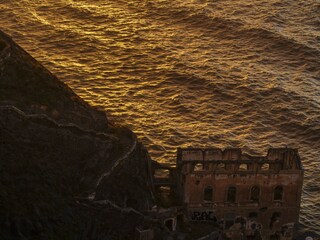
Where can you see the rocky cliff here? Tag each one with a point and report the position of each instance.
(66, 172)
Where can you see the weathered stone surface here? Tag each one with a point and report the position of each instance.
(55, 151)
(135, 168)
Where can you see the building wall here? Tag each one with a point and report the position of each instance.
(200, 169)
(195, 185)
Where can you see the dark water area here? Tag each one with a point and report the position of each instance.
(189, 73)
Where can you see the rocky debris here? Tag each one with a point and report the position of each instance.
(54, 150)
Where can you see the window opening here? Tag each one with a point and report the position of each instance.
(221, 166)
(278, 193)
(243, 167)
(231, 196)
(198, 167)
(208, 194)
(265, 167)
(255, 194)
(169, 224)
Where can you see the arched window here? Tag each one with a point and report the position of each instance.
(221, 166)
(170, 224)
(208, 194)
(198, 167)
(231, 195)
(278, 193)
(243, 167)
(265, 167)
(255, 193)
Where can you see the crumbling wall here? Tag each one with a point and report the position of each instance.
(264, 190)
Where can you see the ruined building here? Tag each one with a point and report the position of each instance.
(248, 197)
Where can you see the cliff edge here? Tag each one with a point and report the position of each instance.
(65, 170)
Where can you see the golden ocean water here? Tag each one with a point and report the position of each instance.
(222, 73)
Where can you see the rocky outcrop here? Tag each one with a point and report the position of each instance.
(128, 167)
(26, 84)
(59, 156)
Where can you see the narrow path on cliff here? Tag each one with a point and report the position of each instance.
(119, 160)
(129, 142)
(45, 119)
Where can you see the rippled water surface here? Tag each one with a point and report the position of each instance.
(189, 72)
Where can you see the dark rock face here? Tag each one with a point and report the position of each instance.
(55, 151)
(137, 171)
(26, 84)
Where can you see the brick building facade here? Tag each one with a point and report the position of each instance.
(250, 197)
